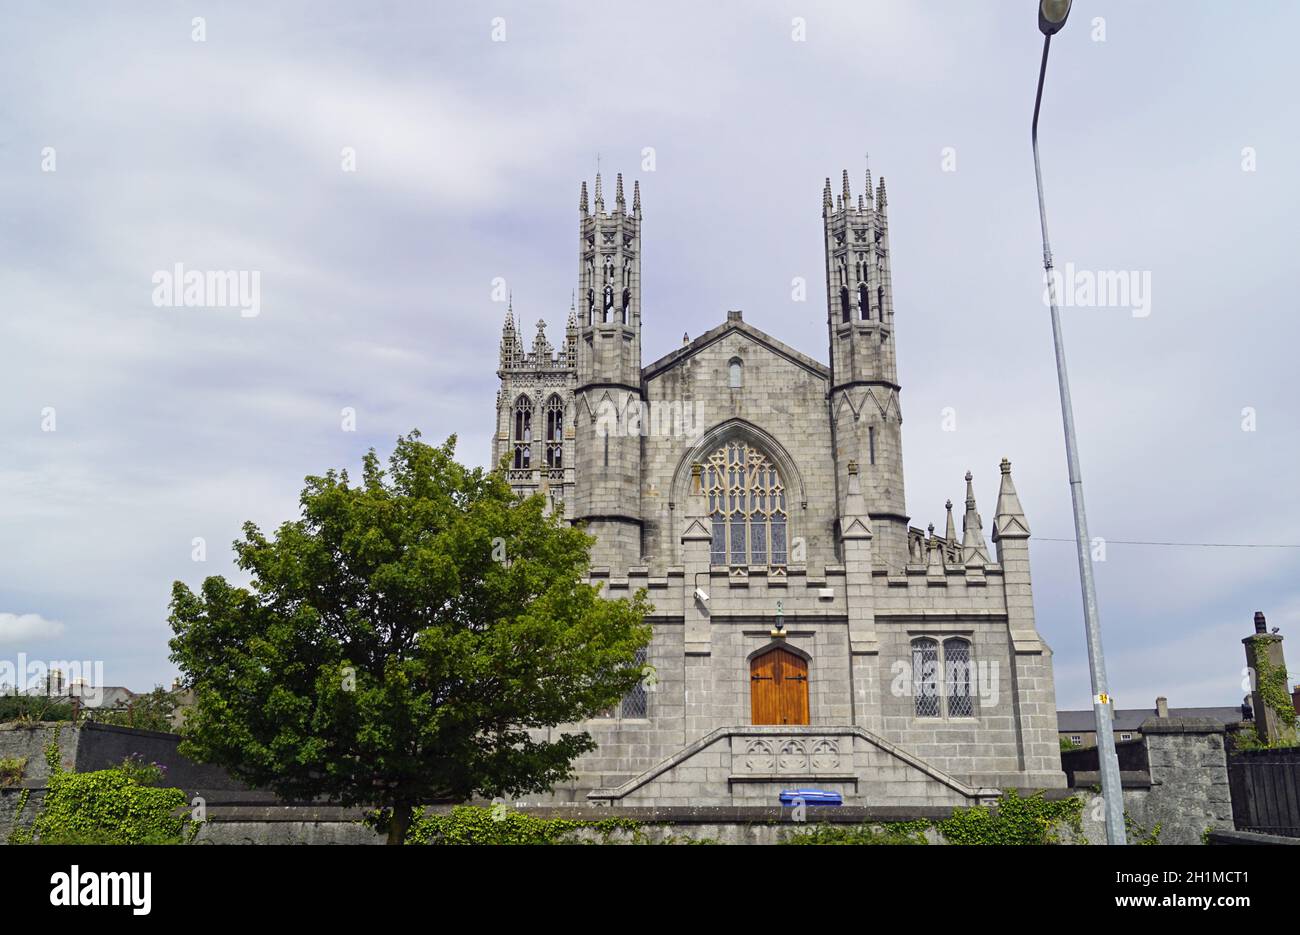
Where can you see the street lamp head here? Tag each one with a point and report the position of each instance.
(1051, 15)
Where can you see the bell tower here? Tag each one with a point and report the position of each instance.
(608, 393)
(865, 415)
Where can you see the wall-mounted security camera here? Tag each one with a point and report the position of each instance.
(702, 596)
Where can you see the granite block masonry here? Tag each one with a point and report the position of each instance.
(805, 632)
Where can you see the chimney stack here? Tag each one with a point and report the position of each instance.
(1162, 706)
(1273, 705)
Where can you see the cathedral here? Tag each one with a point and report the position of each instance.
(806, 635)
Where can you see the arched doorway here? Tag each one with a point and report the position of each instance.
(778, 688)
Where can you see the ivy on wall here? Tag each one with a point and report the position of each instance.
(121, 805)
(1271, 683)
(470, 824)
(1015, 820)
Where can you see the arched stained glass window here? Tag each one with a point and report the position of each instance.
(747, 507)
(523, 435)
(555, 432)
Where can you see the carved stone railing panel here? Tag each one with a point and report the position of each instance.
(804, 755)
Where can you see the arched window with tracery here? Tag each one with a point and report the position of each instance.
(957, 677)
(943, 677)
(747, 507)
(925, 677)
(555, 432)
(523, 434)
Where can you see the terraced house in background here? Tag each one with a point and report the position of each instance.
(806, 634)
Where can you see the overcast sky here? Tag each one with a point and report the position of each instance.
(1169, 140)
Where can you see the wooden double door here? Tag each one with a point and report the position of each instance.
(778, 688)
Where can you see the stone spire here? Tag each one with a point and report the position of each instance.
(827, 203)
(619, 200)
(848, 199)
(1010, 522)
(950, 531)
(973, 549)
(868, 183)
(600, 199)
(934, 555)
(571, 332)
(509, 337)
(636, 196)
(582, 198)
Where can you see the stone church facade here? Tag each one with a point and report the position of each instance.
(806, 635)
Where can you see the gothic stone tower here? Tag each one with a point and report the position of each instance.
(865, 417)
(608, 400)
(534, 429)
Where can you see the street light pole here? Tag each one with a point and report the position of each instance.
(1051, 18)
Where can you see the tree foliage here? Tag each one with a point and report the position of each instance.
(146, 712)
(415, 637)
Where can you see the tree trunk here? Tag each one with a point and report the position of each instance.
(399, 823)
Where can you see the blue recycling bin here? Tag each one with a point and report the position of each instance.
(810, 797)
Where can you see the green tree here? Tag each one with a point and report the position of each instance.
(148, 712)
(410, 638)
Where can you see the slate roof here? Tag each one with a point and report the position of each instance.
(1130, 719)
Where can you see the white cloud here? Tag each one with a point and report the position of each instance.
(26, 628)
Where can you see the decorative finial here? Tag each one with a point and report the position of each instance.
(582, 198)
(973, 550)
(618, 191)
(848, 199)
(1009, 521)
(636, 196)
(686, 339)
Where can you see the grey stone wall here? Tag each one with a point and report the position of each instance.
(1184, 791)
(1189, 778)
(30, 741)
